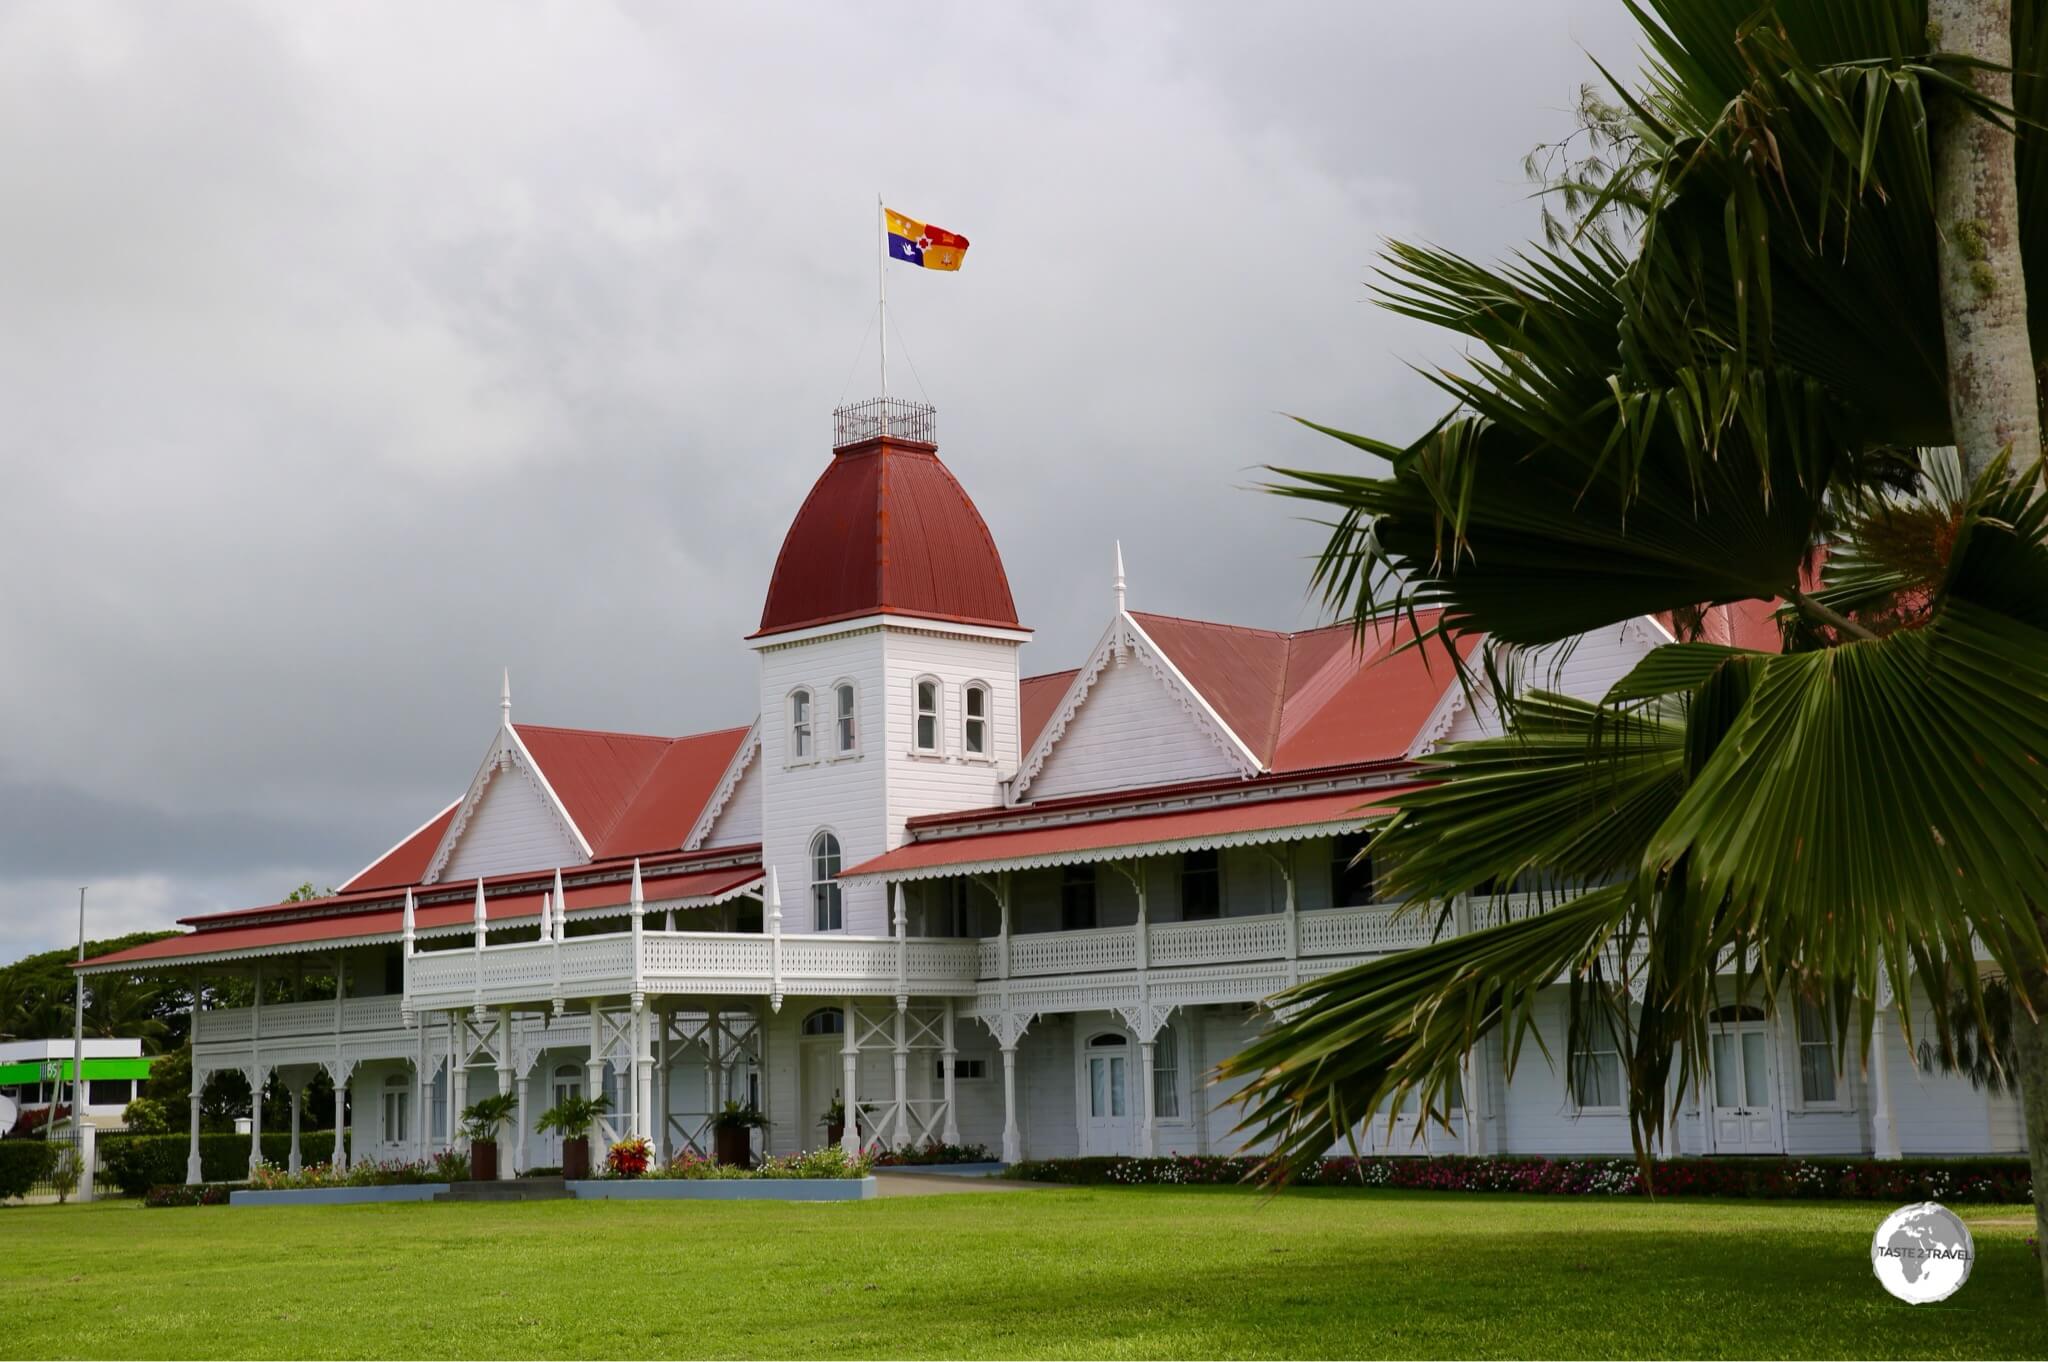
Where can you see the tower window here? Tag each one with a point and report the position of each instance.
(926, 737)
(975, 728)
(846, 732)
(800, 725)
(827, 909)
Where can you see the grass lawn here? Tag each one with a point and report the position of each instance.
(1062, 1272)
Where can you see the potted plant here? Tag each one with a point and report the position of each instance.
(573, 1117)
(480, 1121)
(834, 1121)
(732, 1134)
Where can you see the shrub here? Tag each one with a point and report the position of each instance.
(23, 1164)
(146, 1116)
(181, 1194)
(628, 1158)
(1858, 1179)
(933, 1152)
(269, 1177)
(136, 1163)
(828, 1162)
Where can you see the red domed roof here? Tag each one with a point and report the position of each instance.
(887, 530)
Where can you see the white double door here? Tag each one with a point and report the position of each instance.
(1112, 1103)
(1745, 1084)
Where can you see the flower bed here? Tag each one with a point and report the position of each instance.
(816, 1175)
(447, 1166)
(933, 1152)
(1999, 1180)
(188, 1194)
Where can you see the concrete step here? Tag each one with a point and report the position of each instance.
(509, 1189)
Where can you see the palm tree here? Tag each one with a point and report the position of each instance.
(1806, 284)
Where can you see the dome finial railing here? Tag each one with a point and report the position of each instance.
(857, 422)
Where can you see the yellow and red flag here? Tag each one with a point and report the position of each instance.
(919, 243)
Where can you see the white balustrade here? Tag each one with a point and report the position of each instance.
(1219, 941)
(1374, 930)
(1098, 948)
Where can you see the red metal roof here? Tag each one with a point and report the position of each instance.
(1037, 698)
(372, 915)
(887, 529)
(406, 862)
(629, 793)
(1322, 697)
(1107, 834)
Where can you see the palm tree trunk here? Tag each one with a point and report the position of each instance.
(1992, 395)
(1991, 390)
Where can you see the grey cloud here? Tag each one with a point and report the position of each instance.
(348, 353)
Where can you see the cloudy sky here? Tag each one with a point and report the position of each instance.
(348, 353)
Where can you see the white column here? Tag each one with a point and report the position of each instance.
(643, 1074)
(291, 1162)
(661, 1103)
(593, 1067)
(1013, 1140)
(421, 1094)
(900, 1058)
(518, 1159)
(508, 1077)
(256, 1079)
(341, 1082)
(714, 1059)
(458, 1098)
(1884, 1133)
(192, 1165)
(1148, 1128)
(850, 1051)
(951, 1133)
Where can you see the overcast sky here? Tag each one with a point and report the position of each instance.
(349, 353)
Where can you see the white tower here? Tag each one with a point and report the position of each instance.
(888, 649)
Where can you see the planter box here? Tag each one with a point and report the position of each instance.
(724, 1189)
(339, 1196)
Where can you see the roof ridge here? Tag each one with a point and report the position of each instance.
(1212, 624)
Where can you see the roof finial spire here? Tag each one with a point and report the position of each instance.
(505, 699)
(1120, 576)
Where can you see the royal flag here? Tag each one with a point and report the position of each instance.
(919, 243)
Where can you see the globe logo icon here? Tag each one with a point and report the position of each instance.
(1922, 1253)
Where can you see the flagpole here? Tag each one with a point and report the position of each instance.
(882, 309)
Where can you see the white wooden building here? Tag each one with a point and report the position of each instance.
(1029, 911)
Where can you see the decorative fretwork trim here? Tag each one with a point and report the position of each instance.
(728, 784)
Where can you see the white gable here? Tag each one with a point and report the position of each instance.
(515, 826)
(1590, 667)
(1131, 727)
(739, 822)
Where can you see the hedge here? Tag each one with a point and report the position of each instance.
(136, 1163)
(24, 1163)
(1857, 1179)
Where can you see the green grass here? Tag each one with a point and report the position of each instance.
(1062, 1272)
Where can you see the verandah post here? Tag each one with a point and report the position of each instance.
(192, 1164)
(947, 1056)
(849, 1139)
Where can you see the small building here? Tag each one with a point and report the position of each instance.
(957, 899)
(34, 1074)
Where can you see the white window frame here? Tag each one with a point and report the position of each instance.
(828, 890)
(918, 714)
(845, 718)
(1166, 1056)
(1825, 1044)
(960, 1074)
(397, 1085)
(1588, 1050)
(803, 727)
(986, 719)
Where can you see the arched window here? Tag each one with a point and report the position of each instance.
(974, 723)
(826, 1021)
(800, 725)
(826, 908)
(925, 730)
(848, 735)
(568, 1083)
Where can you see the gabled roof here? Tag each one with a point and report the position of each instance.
(1037, 698)
(887, 529)
(629, 793)
(1318, 698)
(406, 862)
